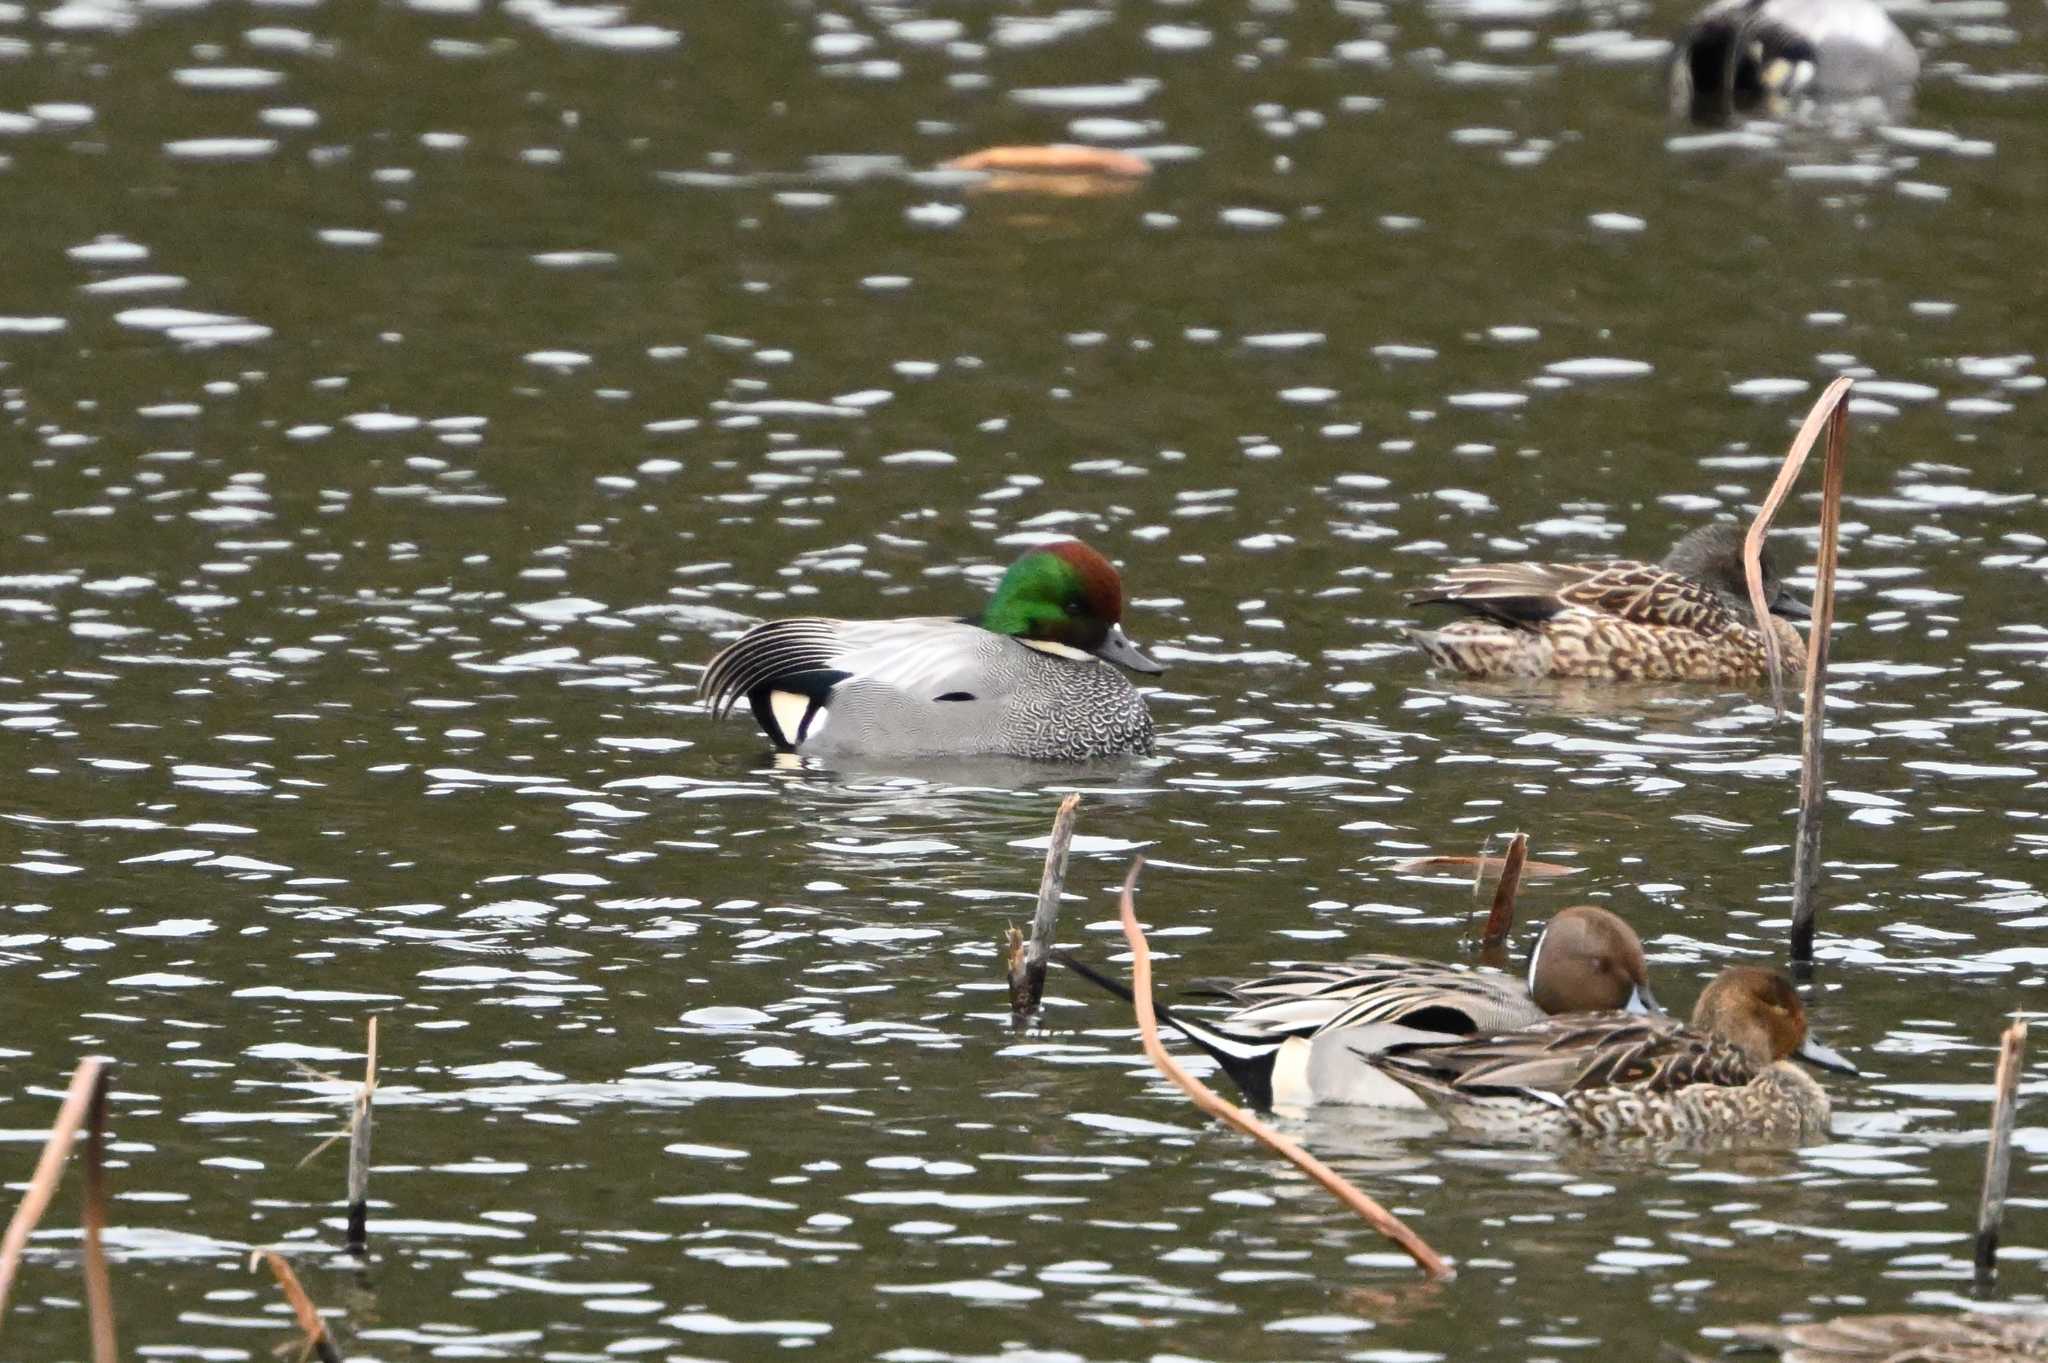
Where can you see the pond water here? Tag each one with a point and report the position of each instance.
(402, 402)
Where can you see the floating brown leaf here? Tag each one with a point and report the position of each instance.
(1055, 159)
(1488, 866)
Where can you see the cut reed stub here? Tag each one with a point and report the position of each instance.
(359, 1128)
(1027, 958)
(2012, 1054)
(1500, 919)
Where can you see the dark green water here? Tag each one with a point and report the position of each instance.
(350, 619)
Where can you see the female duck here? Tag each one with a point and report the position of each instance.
(1305, 1035)
(1685, 619)
(1742, 55)
(1723, 1077)
(1027, 677)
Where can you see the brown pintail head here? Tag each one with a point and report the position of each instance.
(1588, 960)
(1754, 1009)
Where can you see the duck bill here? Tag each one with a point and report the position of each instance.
(1641, 1000)
(1824, 1057)
(1791, 607)
(1116, 647)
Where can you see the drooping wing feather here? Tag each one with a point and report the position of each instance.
(1524, 595)
(1574, 1053)
(921, 658)
(766, 654)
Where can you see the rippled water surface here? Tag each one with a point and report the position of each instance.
(403, 401)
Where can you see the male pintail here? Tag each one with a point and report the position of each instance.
(1297, 1036)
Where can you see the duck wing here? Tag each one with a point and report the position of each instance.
(788, 670)
(1432, 998)
(1525, 595)
(1571, 1054)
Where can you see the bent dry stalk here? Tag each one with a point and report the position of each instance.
(1829, 413)
(318, 1343)
(1205, 1098)
(84, 1106)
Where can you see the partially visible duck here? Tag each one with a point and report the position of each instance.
(1742, 55)
(1965, 1337)
(1724, 1076)
(1028, 676)
(1297, 1038)
(1687, 618)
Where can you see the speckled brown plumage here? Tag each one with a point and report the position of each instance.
(1720, 1078)
(1685, 619)
(1968, 1337)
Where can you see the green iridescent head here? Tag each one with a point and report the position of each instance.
(1065, 596)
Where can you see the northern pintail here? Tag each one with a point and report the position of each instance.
(1297, 1037)
(1723, 1076)
(1025, 677)
(1687, 618)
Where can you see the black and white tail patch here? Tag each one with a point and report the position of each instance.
(793, 709)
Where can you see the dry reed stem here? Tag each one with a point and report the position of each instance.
(359, 1151)
(1823, 410)
(1500, 920)
(1378, 1217)
(1830, 413)
(318, 1342)
(86, 1081)
(1028, 957)
(2012, 1053)
(99, 1288)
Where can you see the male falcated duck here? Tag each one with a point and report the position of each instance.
(1687, 618)
(1725, 1077)
(1743, 55)
(1305, 1035)
(1029, 676)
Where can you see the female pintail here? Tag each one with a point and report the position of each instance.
(1687, 618)
(1723, 1077)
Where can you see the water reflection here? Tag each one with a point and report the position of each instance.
(403, 408)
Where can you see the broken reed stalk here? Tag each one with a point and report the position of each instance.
(359, 1153)
(87, 1092)
(1500, 921)
(1378, 1217)
(2012, 1051)
(318, 1342)
(99, 1289)
(1028, 958)
(1829, 413)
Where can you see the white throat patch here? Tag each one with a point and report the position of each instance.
(1058, 650)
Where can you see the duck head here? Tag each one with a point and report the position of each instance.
(1589, 961)
(1759, 1011)
(1713, 554)
(1065, 598)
